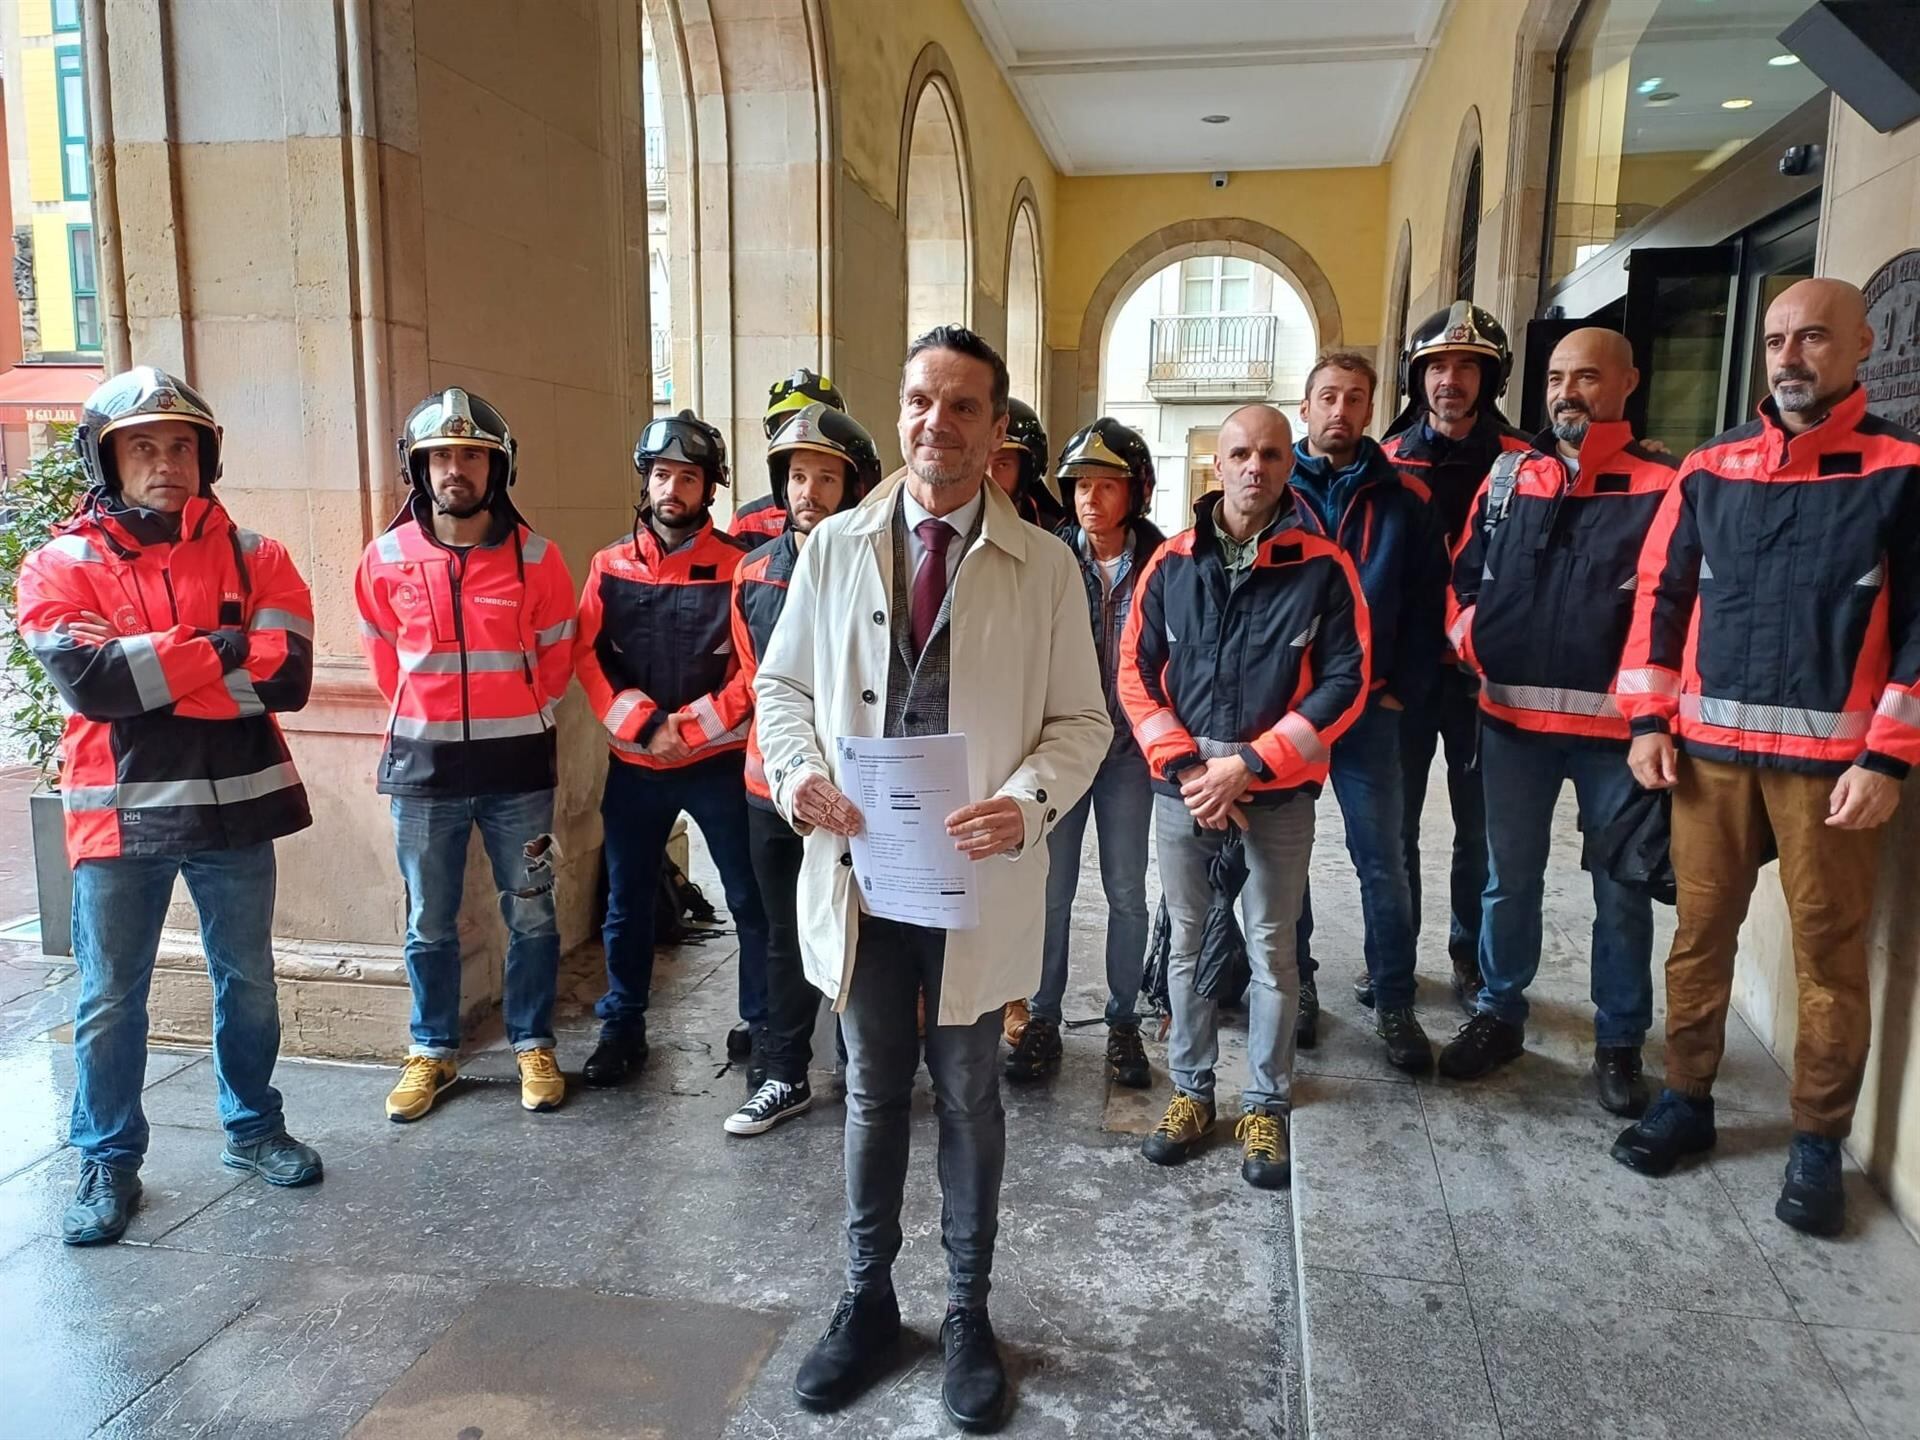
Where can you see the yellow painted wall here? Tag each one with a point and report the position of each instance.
(36, 17)
(876, 43)
(1337, 216)
(1471, 66)
(40, 109)
(53, 281)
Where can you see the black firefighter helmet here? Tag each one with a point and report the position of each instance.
(793, 394)
(453, 418)
(1462, 328)
(1027, 435)
(821, 428)
(142, 396)
(1104, 447)
(689, 440)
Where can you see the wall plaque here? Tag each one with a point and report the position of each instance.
(1892, 371)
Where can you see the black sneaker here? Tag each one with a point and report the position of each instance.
(1618, 1081)
(621, 1051)
(278, 1160)
(1127, 1057)
(1813, 1200)
(1306, 1030)
(975, 1388)
(1038, 1053)
(1674, 1126)
(855, 1351)
(102, 1204)
(773, 1103)
(1483, 1044)
(1408, 1048)
(1363, 990)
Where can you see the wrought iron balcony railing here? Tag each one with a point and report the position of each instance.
(1211, 357)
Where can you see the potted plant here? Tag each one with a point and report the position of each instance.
(36, 502)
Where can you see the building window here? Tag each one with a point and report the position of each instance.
(73, 122)
(1216, 285)
(86, 299)
(1469, 234)
(66, 15)
(1652, 96)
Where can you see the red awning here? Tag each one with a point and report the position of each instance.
(44, 394)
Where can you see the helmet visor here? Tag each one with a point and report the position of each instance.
(676, 440)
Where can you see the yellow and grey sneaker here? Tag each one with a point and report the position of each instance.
(1264, 1163)
(542, 1086)
(422, 1079)
(1184, 1126)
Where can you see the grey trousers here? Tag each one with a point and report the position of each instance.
(1279, 842)
(892, 964)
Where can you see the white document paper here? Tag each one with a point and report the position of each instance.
(906, 865)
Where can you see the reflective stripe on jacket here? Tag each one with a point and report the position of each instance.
(1541, 609)
(1274, 669)
(1778, 615)
(655, 639)
(759, 597)
(472, 648)
(170, 745)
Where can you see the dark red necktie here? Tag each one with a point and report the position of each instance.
(930, 580)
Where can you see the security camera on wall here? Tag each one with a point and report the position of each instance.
(1219, 179)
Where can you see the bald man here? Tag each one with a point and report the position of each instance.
(1542, 597)
(1243, 659)
(1776, 639)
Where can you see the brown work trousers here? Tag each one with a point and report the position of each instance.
(1723, 817)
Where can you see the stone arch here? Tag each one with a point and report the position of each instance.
(740, 270)
(1226, 235)
(1468, 149)
(936, 197)
(1393, 333)
(1026, 298)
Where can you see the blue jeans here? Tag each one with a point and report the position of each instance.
(1449, 718)
(1365, 772)
(119, 907)
(431, 834)
(638, 808)
(1121, 803)
(1523, 778)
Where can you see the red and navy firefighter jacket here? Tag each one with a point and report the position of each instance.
(1540, 609)
(1778, 615)
(759, 595)
(656, 640)
(760, 520)
(1273, 670)
(170, 744)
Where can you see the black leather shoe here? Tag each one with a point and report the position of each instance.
(1674, 1127)
(621, 1051)
(1127, 1057)
(1038, 1053)
(1306, 1030)
(1483, 1045)
(1408, 1048)
(102, 1205)
(1617, 1080)
(856, 1350)
(975, 1389)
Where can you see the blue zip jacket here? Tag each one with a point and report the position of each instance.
(1386, 522)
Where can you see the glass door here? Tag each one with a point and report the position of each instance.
(1679, 316)
(1778, 255)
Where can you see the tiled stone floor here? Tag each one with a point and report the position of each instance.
(1471, 1261)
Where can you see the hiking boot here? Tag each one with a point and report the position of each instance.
(1483, 1045)
(1127, 1057)
(1812, 1199)
(1264, 1163)
(855, 1351)
(1408, 1048)
(278, 1159)
(1013, 1020)
(975, 1387)
(1617, 1080)
(1363, 990)
(772, 1104)
(1183, 1127)
(423, 1079)
(1674, 1126)
(542, 1086)
(1306, 1030)
(102, 1204)
(621, 1051)
(1038, 1053)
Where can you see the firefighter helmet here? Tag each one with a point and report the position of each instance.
(1102, 448)
(799, 390)
(821, 428)
(1462, 328)
(142, 395)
